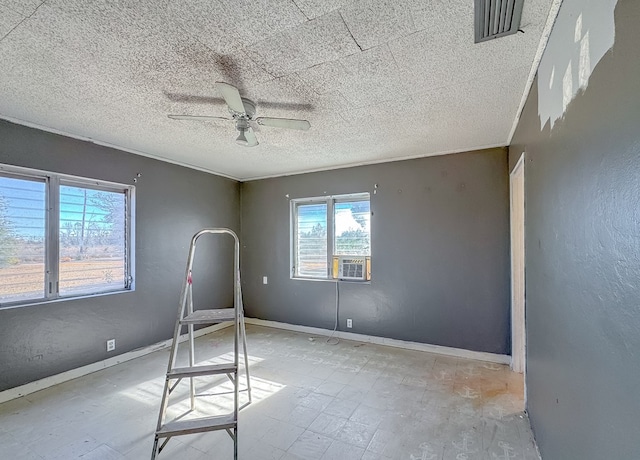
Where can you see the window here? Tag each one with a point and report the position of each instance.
(327, 227)
(92, 244)
(311, 247)
(22, 238)
(62, 236)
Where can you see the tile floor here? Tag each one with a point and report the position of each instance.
(312, 400)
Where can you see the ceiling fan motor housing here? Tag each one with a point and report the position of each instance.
(249, 109)
(242, 124)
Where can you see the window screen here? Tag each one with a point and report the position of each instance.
(92, 240)
(311, 240)
(22, 239)
(352, 222)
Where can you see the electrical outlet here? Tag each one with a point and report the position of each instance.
(111, 344)
(264, 280)
(349, 323)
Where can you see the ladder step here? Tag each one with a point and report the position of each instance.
(209, 316)
(198, 425)
(195, 371)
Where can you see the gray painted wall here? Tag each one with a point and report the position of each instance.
(583, 260)
(440, 252)
(172, 204)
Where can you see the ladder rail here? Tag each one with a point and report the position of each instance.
(176, 334)
(236, 305)
(244, 347)
(192, 353)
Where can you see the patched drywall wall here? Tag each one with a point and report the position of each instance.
(440, 252)
(583, 258)
(172, 203)
(583, 32)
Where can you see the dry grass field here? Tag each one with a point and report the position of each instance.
(82, 276)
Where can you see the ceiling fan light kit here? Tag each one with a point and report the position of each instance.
(243, 111)
(242, 139)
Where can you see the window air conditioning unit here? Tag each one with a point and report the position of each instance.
(352, 268)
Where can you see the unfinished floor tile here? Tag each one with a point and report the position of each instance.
(310, 445)
(339, 450)
(363, 401)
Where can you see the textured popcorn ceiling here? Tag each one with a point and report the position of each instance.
(378, 80)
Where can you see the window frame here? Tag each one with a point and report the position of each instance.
(52, 182)
(330, 201)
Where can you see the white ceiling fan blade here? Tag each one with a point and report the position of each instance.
(288, 123)
(252, 140)
(231, 96)
(197, 117)
(255, 126)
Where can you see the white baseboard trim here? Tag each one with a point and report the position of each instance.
(32, 387)
(448, 351)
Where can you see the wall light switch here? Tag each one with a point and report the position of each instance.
(264, 280)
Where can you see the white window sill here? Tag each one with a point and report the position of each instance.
(330, 280)
(29, 303)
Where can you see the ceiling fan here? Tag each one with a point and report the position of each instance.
(243, 112)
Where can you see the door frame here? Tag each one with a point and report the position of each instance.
(518, 297)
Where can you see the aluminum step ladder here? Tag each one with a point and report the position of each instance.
(188, 317)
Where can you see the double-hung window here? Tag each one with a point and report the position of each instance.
(62, 236)
(328, 227)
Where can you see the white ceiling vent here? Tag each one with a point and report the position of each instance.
(497, 18)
